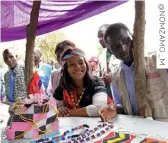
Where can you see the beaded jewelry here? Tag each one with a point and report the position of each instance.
(76, 105)
(90, 134)
(84, 136)
(63, 136)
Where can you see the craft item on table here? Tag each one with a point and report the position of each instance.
(91, 134)
(117, 137)
(57, 133)
(64, 136)
(32, 117)
(85, 136)
(151, 140)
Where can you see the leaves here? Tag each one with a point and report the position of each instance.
(48, 44)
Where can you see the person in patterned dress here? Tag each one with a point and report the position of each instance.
(14, 78)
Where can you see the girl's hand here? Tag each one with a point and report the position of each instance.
(107, 113)
(63, 112)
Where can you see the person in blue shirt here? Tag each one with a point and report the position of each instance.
(155, 103)
(44, 70)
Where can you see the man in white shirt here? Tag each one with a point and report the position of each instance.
(104, 59)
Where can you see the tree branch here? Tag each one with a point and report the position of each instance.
(140, 74)
(31, 35)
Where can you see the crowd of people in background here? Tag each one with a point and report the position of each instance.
(101, 85)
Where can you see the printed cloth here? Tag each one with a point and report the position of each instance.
(19, 81)
(71, 54)
(32, 117)
(36, 85)
(151, 140)
(115, 137)
(120, 137)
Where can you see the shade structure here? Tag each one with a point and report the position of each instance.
(15, 15)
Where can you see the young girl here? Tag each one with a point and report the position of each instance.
(79, 92)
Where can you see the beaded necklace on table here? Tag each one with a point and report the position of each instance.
(84, 136)
(76, 105)
(90, 134)
(63, 136)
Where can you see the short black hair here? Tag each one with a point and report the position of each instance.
(7, 51)
(66, 80)
(38, 50)
(62, 45)
(104, 26)
(114, 28)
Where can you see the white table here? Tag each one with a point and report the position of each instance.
(124, 123)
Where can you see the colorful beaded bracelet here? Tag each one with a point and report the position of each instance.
(90, 135)
(86, 136)
(63, 136)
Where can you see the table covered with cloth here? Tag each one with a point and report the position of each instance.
(138, 129)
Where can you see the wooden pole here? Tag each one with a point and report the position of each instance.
(140, 75)
(31, 35)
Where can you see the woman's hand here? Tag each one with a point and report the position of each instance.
(107, 113)
(63, 112)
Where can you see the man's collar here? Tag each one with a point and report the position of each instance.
(124, 66)
(14, 68)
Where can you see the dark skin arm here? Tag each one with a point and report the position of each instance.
(80, 112)
(107, 113)
(65, 112)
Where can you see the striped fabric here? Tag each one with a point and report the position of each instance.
(115, 137)
(33, 120)
(36, 85)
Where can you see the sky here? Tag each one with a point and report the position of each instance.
(124, 13)
(84, 33)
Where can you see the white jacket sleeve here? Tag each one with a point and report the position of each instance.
(99, 100)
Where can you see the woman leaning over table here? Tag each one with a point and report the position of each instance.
(79, 93)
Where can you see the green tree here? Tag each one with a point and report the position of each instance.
(48, 44)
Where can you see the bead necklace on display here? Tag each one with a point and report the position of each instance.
(63, 136)
(90, 134)
(85, 136)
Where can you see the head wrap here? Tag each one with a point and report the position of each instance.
(69, 55)
(94, 59)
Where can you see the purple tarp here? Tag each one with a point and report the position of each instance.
(15, 15)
